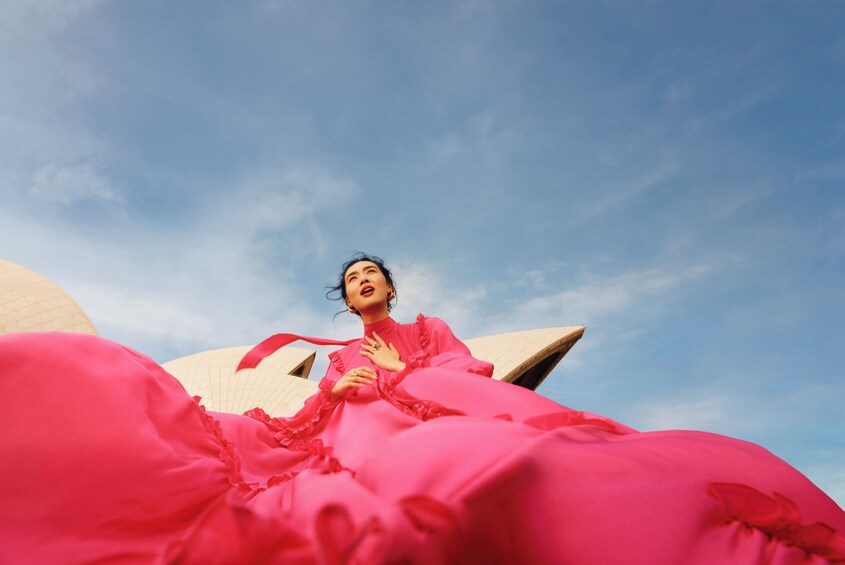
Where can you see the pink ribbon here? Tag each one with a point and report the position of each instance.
(276, 342)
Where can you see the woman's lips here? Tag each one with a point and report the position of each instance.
(367, 291)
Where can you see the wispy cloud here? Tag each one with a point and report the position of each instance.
(613, 197)
(194, 202)
(46, 153)
(483, 137)
(595, 298)
(830, 171)
(731, 109)
(68, 185)
(178, 288)
(426, 288)
(37, 58)
(293, 201)
(700, 414)
(45, 15)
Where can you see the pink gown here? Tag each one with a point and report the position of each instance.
(106, 459)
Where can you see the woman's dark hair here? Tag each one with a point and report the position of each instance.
(340, 287)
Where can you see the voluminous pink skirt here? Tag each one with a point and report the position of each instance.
(105, 458)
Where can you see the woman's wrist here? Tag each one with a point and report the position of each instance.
(336, 392)
(399, 367)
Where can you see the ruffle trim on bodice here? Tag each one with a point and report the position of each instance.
(337, 361)
(779, 518)
(385, 388)
(425, 339)
(289, 432)
(227, 453)
(322, 459)
(298, 432)
(419, 408)
(298, 437)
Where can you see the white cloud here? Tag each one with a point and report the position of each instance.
(44, 72)
(597, 298)
(278, 201)
(44, 152)
(448, 147)
(147, 314)
(183, 287)
(616, 308)
(677, 93)
(829, 171)
(423, 288)
(482, 137)
(731, 108)
(45, 15)
(703, 414)
(721, 207)
(534, 278)
(68, 185)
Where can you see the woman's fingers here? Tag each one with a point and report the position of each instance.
(364, 372)
(374, 343)
(381, 342)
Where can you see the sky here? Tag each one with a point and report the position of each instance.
(668, 174)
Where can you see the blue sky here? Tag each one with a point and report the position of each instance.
(668, 174)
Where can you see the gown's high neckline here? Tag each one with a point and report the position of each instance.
(382, 327)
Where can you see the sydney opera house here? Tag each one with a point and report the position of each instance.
(31, 302)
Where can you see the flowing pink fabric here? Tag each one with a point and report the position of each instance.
(106, 459)
(275, 342)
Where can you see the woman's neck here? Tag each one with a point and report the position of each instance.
(381, 326)
(375, 315)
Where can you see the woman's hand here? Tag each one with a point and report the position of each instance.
(356, 378)
(381, 354)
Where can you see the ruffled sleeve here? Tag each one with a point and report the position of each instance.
(336, 367)
(442, 349)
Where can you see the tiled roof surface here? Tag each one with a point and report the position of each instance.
(211, 375)
(514, 353)
(31, 303)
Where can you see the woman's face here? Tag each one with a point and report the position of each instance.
(366, 287)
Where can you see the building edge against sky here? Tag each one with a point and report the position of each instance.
(280, 385)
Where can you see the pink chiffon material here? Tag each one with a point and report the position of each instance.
(107, 459)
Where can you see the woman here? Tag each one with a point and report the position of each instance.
(409, 411)
(408, 452)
